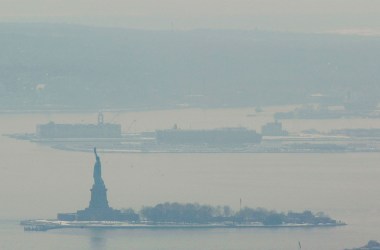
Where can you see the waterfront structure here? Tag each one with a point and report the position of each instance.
(273, 129)
(98, 209)
(222, 136)
(53, 130)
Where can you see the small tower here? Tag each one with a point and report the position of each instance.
(100, 118)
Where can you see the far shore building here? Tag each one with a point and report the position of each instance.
(273, 129)
(53, 130)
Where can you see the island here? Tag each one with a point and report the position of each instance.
(372, 245)
(172, 215)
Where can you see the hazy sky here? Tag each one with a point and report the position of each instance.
(299, 15)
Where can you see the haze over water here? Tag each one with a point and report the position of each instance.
(161, 55)
(38, 182)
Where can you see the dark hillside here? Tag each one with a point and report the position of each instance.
(64, 66)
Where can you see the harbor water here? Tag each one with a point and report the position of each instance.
(37, 181)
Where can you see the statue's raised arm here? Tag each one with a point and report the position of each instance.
(96, 155)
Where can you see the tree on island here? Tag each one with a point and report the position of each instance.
(194, 213)
(130, 215)
(180, 213)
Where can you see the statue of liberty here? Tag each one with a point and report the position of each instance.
(98, 209)
(99, 190)
(98, 170)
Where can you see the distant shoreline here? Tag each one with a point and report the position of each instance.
(107, 145)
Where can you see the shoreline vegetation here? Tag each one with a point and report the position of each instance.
(193, 215)
(203, 214)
